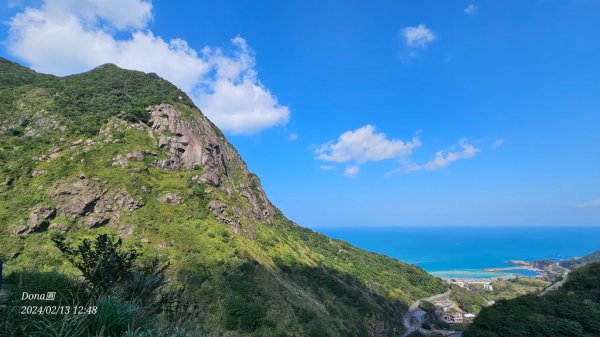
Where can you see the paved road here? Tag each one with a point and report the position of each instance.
(406, 320)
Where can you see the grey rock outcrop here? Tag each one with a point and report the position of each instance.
(193, 142)
(76, 198)
(96, 206)
(217, 207)
(171, 198)
(120, 161)
(40, 217)
(136, 155)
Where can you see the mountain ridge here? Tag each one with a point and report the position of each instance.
(127, 153)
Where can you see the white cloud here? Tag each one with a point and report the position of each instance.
(418, 36)
(364, 145)
(293, 136)
(441, 160)
(236, 100)
(326, 167)
(351, 171)
(68, 36)
(471, 9)
(590, 203)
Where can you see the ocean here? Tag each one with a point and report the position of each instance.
(465, 251)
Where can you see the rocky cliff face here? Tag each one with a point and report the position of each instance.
(193, 143)
(189, 142)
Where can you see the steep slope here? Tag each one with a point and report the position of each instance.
(123, 152)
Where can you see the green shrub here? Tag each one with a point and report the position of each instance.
(242, 315)
(101, 262)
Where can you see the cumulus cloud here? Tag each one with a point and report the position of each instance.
(68, 36)
(364, 145)
(471, 9)
(351, 170)
(590, 203)
(417, 36)
(441, 159)
(293, 136)
(236, 101)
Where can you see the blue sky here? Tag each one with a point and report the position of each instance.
(413, 113)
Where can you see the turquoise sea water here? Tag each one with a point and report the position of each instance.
(465, 251)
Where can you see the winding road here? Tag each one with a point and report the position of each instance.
(406, 320)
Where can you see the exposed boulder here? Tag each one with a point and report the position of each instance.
(217, 207)
(97, 220)
(82, 199)
(120, 161)
(19, 230)
(137, 155)
(75, 144)
(76, 198)
(171, 198)
(40, 217)
(54, 152)
(211, 178)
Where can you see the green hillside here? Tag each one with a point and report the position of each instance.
(572, 310)
(125, 153)
(581, 261)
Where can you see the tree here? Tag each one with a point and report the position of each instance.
(102, 262)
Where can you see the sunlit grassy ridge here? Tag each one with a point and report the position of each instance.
(290, 281)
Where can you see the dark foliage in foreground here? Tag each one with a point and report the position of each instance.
(115, 297)
(101, 261)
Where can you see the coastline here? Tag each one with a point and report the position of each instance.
(475, 275)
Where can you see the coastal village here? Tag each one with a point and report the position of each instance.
(447, 311)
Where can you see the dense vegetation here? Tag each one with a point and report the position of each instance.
(288, 281)
(116, 297)
(572, 310)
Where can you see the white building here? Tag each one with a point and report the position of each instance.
(453, 318)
